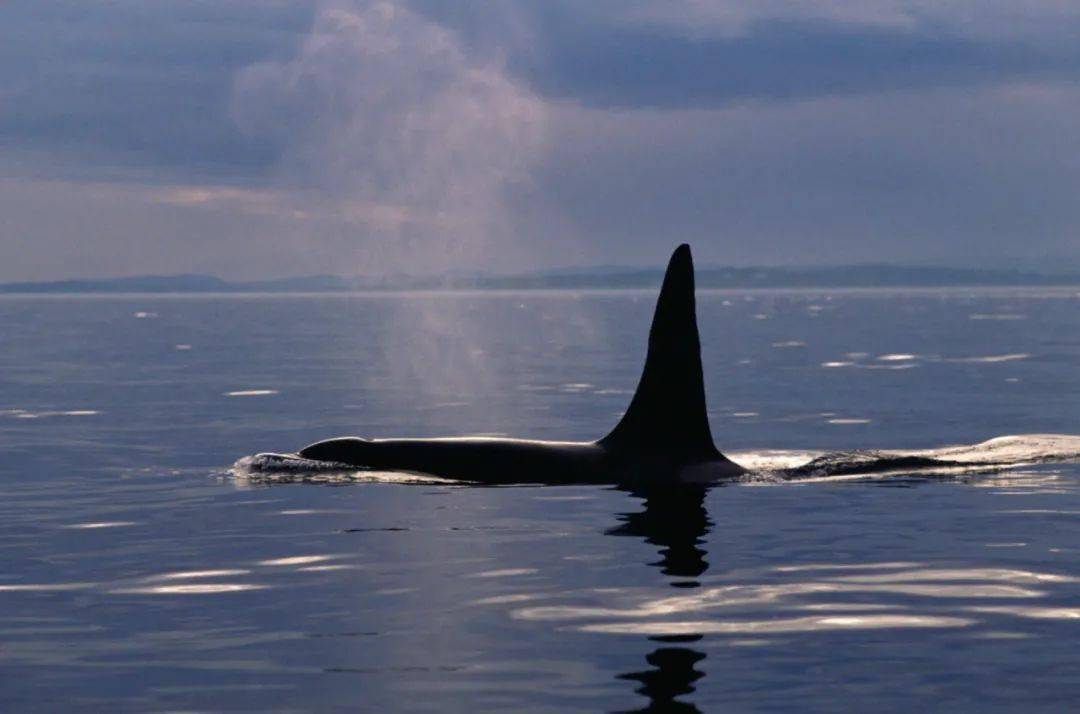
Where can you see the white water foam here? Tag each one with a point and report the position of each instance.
(269, 469)
(993, 455)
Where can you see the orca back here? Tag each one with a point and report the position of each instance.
(667, 414)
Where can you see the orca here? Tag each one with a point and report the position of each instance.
(663, 438)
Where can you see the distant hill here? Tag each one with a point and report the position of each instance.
(861, 276)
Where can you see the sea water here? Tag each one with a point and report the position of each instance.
(141, 571)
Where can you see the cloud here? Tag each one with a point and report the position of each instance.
(946, 175)
(1039, 20)
(383, 118)
(694, 53)
(274, 137)
(134, 87)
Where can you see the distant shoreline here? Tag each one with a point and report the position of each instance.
(720, 280)
(860, 277)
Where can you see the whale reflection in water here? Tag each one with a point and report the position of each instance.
(675, 520)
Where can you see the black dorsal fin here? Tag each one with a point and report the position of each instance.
(667, 413)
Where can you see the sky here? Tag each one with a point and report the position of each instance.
(268, 138)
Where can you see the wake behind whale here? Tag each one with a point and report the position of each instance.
(663, 438)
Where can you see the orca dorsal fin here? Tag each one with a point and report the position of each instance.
(667, 413)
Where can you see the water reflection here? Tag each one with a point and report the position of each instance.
(675, 520)
(672, 675)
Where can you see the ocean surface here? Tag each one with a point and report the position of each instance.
(144, 566)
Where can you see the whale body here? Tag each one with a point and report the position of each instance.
(663, 437)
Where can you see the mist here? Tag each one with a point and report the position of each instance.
(385, 124)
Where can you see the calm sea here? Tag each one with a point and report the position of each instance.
(139, 573)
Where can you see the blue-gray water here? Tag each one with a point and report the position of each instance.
(138, 574)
